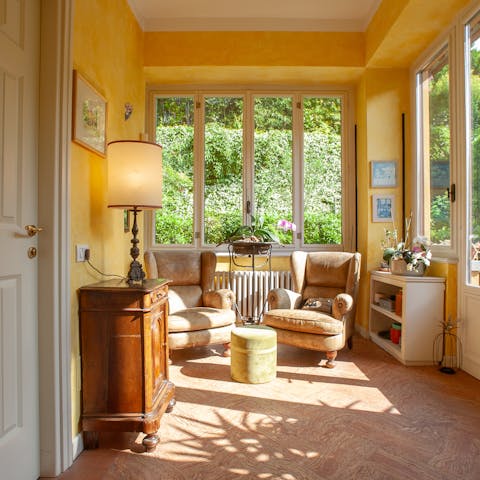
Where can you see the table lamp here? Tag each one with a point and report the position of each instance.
(135, 184)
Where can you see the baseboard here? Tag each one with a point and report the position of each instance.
(362, 331)
(77, 445)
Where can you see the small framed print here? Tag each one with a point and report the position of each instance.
(383, 208)
(383, 174)
(89, 116)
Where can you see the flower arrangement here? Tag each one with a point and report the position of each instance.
(415, 254)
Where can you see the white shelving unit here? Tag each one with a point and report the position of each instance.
(421, 316)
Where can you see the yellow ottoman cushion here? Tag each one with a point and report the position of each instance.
(254, 354)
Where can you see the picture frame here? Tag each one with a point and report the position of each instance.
(89, 116)
(383, 208)
(383, 174)
(126, 221)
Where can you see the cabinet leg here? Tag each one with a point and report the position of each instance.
(90, 440)
(150, 441)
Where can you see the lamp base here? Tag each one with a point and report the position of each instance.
(136, 275)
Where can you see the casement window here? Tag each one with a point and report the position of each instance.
(472, 167)
(229, 158)
(436, 190)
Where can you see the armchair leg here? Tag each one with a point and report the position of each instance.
(331, 359)
(227, 352)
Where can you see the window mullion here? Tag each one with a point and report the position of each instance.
(198, 169)
(297, 165)
(248, 156)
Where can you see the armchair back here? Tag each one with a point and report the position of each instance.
(325, 274)
(190, 273)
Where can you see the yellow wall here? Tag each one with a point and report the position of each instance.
(108, 51)
(254, 48)
(383, 95)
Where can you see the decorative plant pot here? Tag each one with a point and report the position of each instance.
(400, 267)
(245, 247)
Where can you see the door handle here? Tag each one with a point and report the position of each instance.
(33, 230)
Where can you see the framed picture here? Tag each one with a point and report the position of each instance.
(382, 208)
(383, 174)
(126, 221)
(89, 116)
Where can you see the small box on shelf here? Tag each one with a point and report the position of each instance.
(387, 304)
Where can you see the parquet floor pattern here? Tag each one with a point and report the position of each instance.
(369, 418)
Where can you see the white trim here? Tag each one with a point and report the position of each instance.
(54, 259)
(77, 445)
(445, 40)
(184, 24)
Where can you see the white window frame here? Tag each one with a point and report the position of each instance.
(297, 93)
(448, 39)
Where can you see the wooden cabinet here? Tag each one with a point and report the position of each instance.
(420, 316)
(124, 356)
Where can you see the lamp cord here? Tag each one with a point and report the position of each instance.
(101, 273)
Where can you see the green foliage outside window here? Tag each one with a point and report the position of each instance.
(223, 169)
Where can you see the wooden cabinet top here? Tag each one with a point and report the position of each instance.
(120, 285)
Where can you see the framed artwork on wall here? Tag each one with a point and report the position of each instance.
(383, 208)
(89, 116)
(383, 174)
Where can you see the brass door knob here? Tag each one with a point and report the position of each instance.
(32, 230)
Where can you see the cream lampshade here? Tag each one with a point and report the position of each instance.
(134, 183)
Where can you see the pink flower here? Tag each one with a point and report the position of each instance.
(285, 225)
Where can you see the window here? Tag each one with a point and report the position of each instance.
(276, 156)
(472, 75)
(434, 149)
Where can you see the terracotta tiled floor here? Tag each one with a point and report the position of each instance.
(369, 418)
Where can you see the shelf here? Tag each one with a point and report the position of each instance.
(422, 312)
(390, 347)
(387, 313)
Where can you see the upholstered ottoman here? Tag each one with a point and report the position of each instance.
(254, 354)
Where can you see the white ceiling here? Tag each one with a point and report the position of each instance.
(248, 15)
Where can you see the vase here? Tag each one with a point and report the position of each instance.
(400, 267)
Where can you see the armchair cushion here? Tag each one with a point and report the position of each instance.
(306, 321)
(184, 296)
(200, 318)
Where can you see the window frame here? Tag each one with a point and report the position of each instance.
(448, 41)
(348, 161)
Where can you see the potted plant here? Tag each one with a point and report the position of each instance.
(406, 258)
(256, 238)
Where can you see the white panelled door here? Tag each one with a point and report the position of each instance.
(19, 85)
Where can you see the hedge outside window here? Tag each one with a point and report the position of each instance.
(279, 156)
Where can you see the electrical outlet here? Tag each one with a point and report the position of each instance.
(81, 249)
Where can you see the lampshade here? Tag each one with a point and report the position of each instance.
(134, 174)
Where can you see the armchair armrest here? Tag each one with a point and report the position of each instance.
(283, 298)
(223, 298)
(342, 305)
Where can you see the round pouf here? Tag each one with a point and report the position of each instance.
(254, 354)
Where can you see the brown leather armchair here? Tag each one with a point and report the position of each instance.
(197, 315)
(319, 313)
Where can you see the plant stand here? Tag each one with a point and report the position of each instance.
(247, 255)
